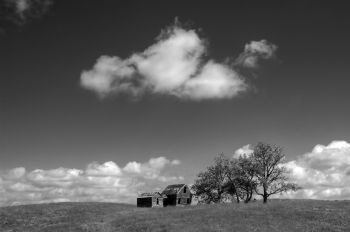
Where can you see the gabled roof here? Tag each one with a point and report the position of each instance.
(172, 189)
(152, 194)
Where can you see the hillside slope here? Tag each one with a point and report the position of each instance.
(277, 215)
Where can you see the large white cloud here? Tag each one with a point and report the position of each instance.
(98, 182)
(323, 173)
(176, 65)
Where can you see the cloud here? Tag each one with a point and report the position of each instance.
(176, 64)
(20, 11)
(323, 173)
(97, 182)
(256, 51)
(107, 169)
(151, 169)
(245, 150)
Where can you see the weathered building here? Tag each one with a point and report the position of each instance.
(177, 194)
(150, 200)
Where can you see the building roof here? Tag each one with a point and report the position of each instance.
(151, 194)
(172, 189)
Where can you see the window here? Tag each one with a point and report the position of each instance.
(185, 189)
(179, 200)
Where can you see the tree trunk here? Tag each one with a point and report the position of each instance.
(219, 194)
(234, 195)
(250, 194)
(246, 197)
(265, 199)
(265, 196)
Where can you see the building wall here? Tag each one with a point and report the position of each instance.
(144, 202)
(150, 202)
(170, 200)
(157, 202)
(184, 193)
(184, 197)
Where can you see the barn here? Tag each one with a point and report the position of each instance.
(177, 194)
(154, 199)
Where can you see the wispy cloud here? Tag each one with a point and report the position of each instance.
(176, 64)
(256, 51)
(20, 11)
(98, 182)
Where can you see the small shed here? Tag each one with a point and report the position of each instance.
(177, 194)
(154, 199)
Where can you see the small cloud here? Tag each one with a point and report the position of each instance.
(175, 162)
(106, 169)
(150, 169)
(256, 51)
(133, 167)
(97, 182)
(21, 6)
(176, 65)
(16, 173)
(20, 11)
(245, 150)
(323, 172)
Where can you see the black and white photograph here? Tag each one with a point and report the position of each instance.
(192, 116)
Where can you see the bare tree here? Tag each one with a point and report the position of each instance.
(270, 174)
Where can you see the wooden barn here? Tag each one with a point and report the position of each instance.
(177, 194)
(150, 200)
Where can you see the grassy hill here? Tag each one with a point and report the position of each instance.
(277, 215)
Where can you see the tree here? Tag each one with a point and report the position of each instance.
(203, 188)
(214, 182)
(231, 185)
(270, 174)
(224, 178)
(245, 177)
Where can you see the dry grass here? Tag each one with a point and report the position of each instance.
(277, 215)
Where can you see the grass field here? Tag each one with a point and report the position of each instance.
(277, 215)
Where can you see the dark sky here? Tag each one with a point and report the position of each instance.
(47, 120)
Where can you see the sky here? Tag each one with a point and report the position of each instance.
(102, 100)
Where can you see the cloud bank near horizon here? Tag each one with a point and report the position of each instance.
(98, 182)
(323, 173)
(176, 64)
